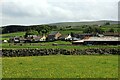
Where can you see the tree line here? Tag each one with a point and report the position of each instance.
(20, 28)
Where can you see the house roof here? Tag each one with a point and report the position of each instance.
(100, 39)
(86, 34)
(111, 33)
(53, 33)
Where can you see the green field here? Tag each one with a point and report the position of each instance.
(48, 45)
(7, 36)
(66, 32)
(61, 66)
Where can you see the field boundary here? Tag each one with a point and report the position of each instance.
(41, 52)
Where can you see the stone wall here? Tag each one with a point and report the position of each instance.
(41, 52)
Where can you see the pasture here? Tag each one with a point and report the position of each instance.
(49, 45)
(8, 35)
(61, 66)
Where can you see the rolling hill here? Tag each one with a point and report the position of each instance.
(19, 28)
(83, 23)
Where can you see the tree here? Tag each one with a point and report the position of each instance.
(111, 30)
(107, 23)
(88, 30)
(93, 30)
(72, 34)
(98, 30)
(31, 32)
(43, 29)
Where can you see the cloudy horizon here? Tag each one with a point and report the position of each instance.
(29, 12)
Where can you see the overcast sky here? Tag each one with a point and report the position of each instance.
(28, 12)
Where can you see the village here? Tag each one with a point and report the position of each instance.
(76, 39)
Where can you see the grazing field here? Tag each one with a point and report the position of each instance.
(13, 34)
(66, 32)
(49, 45)
(7, 36)
(61, 66)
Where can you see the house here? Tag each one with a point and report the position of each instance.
(32, 38)
(5, 41)
(54, 36)
(75, 39)
(22, 39)
(69, 37)
(16, 40)
(43, 38)
(99, 41)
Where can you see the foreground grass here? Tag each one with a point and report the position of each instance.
(61, 66)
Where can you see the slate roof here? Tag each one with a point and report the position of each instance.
(111, 34)
(100, 39)
(53, 33)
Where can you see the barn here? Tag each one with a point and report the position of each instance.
(106, 40)
(54, 36)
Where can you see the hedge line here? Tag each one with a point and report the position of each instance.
(41, 52)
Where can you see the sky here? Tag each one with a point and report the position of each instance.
(29, 12)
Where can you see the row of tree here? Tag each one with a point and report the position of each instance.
(96, 30)
(19, 28)
(44, 29)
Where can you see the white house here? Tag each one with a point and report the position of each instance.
(69, 37)
(5, 41)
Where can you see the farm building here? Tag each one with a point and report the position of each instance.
(5, 41)
(111, 34)
(14, 39)
(99, 41)
(54, 36)
(32, 38)
(69, 37)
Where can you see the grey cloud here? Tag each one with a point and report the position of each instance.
(47, 11)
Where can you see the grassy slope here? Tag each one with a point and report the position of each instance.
(63, 24)
(7, 36)
(61, 67)
(108, 27)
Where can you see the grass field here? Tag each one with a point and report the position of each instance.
(48, 45)
(7, 36)
(61, 66)
(69, 32)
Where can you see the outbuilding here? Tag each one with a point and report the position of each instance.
(99, 41)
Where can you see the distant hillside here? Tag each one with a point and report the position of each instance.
(63, 24)
(22, 28)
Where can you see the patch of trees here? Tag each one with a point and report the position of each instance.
(111, 30)
(107, 23)
(44, 29)
(93, 30)
(19, 28)
(14, 28)
(31, 32)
